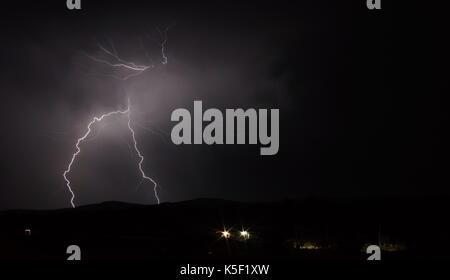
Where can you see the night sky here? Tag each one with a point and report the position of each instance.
(363, 105)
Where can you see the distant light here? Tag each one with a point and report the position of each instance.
(309, 246)
(245, 234)
(226, 234)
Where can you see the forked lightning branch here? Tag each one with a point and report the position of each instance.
(113, 60)
(231, 129)
(127, 113)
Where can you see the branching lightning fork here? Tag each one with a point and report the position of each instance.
(77, 145)
(112, 59)
(117, 62)
(136, 70)
(127, 113)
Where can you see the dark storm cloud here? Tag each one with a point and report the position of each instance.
(219, 60)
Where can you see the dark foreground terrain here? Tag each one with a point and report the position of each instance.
(287, 230)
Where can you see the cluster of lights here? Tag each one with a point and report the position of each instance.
(227, 234)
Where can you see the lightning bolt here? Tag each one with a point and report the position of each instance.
(141, 158)
(78, 149)
(136, 70)
(118, 62)
(164, 39)
(127, 113)
(112, 58)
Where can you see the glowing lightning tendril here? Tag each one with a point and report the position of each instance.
(126, 112)
(137, 70)
(141, 158)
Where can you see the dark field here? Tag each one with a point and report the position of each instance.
(287, 230)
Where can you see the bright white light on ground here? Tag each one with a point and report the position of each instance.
(245, 234)
(226, 234)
